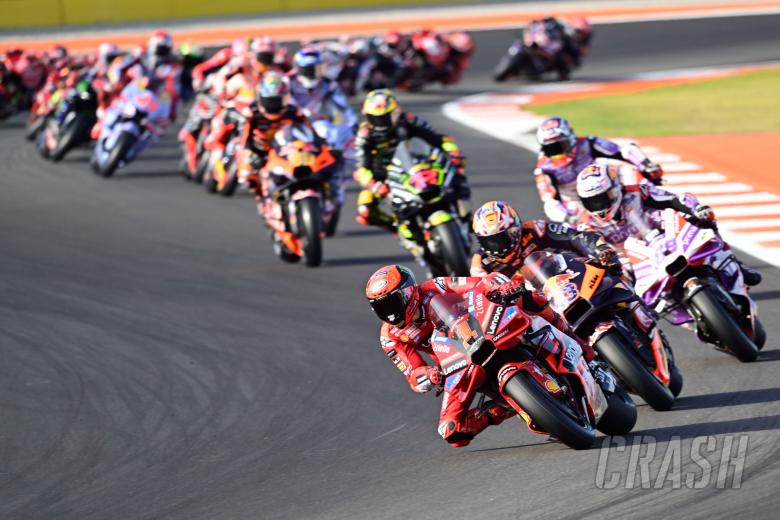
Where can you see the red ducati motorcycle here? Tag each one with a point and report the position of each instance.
(527, 364)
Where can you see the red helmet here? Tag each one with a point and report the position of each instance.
(160, 44)
(461, 42)
(392, 294)
(264, 49)
(393, 39)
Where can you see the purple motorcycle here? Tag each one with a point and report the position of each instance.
(685, 273)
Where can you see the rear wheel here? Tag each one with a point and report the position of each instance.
(626, 363)
(232, 183)
(68, 139)
(759, 334)
(310, 225)
(33, 127)
(203, 166)
(548, 413)
(620, 417)
(723, 326)
(330, 229)
(122, 145)
(453, 250)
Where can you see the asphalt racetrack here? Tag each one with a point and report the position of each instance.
(157, 361)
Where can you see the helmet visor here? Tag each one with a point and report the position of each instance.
(266, 58)
(556, 148)
(599, 204)
(391, 307)
(498, 245)
(272, 104)
(381, 122)
(308, 71)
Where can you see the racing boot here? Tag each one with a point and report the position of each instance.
(369, 213)
(603, 376)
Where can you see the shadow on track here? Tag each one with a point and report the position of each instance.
(751, 424)
(721, 399)
(766, 295)
(367, 260)
(768, 355)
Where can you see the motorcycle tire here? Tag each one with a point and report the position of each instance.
(203, 165)
(33, 127)
(723, 326)
(210, 184)
(620, 417)
(505, 68)
(40, 142)
(545, 412)
(330, 228)
(759, 335)
(310, 224)
(122, 145)
(624, 360)
(675, 380)
(70, 138)
(232, 183)
(453, 250)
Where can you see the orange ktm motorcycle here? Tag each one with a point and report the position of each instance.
(295, 186)
(602, 309)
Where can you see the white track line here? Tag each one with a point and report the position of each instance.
(701, 189)
(742, 198)
(693, 178)
(750, 210)
(755, 223)
(762, 236)
(682, 167)
(663, 158)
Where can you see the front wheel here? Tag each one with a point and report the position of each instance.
(620, 417)
(71, 137)
(117, 154)
(310, 225)
(453, 250)
(505, 68)
(548, 413)
(624, 360)
(722, 325)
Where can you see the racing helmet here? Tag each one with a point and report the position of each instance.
(555, 137)
(382, 110)
(308, 65)
(599, 189)
(392, 294)
(461, 42)
(160, 44)
(272, 94)
(583, 30)
(107, 53)
(263, 50)
(497, 227)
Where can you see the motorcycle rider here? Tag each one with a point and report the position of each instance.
(406, 331)
(316, 94)
(505, 240)
(271, 111)
(384, 128)
(618, 211)
(563, 155)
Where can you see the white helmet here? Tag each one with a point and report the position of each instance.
(599, 189)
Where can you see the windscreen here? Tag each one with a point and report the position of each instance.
(538, 267)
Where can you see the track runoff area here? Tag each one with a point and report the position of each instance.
(180, 414)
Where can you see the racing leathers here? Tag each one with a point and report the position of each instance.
(556, 177)
(634, 220)
(405, 346)
(537, 235)
(258, 134)
(374, 152)
(327, 102)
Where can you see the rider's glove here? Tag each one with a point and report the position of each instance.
(363, 176)
(507, 293)
(703, 212)
(652, 171)
(606, 255)
(427, 378)
(379, 189)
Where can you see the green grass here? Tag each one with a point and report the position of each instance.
(744, 103)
